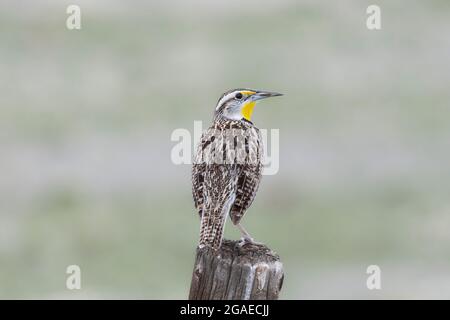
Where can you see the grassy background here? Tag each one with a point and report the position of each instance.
(86, 118)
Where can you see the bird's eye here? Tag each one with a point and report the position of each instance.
(238, 96)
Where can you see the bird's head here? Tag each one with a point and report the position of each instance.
(238, 104)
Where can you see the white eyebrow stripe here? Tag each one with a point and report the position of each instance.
(225, 98)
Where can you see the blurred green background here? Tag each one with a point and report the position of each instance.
(86, 118)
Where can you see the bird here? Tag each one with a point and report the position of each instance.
(227, 166)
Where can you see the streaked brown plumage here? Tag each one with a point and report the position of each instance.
(227, 166)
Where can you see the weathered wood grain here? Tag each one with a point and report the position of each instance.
(234, 272)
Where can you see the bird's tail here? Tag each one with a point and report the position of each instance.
(212, 227)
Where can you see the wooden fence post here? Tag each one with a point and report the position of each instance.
(249, 272)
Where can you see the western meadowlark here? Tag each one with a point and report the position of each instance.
(228, 165)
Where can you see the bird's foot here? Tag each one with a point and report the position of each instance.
(248, 240)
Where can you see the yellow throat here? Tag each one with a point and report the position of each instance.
(247, 110)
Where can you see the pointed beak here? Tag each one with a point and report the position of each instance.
(264, 94)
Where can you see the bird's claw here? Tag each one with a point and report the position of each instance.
(247, 240)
